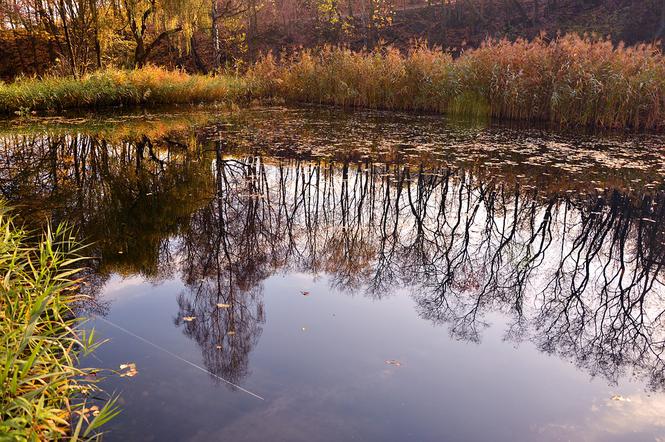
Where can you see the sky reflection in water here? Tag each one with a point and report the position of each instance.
(514, 274)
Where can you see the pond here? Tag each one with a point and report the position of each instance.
(315, 274)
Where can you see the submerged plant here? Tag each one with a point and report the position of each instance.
(44, 394)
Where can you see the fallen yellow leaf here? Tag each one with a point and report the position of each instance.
(130, 368)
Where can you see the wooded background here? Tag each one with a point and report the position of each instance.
(72, 37)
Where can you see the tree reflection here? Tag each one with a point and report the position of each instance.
(226, 255)
(129, 197)
(580, 276)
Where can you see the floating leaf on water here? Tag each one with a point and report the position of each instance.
(223, 305)
(130, 370)
(231, 333)
(304, 293)
(188, 318)
(648, 220)
(218, 347)
(619, 398)
(85, 411)
(393, 362)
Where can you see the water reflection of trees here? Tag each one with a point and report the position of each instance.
(129, 196)
(225, 251)
(580, 276)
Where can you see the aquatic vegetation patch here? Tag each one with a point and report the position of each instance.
(44, 393)
(570, 81)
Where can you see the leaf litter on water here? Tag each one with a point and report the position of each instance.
(130, 370)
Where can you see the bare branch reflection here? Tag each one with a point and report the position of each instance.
(578, 274)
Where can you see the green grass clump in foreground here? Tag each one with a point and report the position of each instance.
(43, 394)
(113, 87)
(571, 81)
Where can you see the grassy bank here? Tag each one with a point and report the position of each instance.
(149, 86)
(570, 81)
(43, 394)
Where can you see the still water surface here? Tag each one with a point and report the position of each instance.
(365, 276)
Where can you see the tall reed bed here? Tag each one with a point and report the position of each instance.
(572, 80)
(43, 394)
(148, 86)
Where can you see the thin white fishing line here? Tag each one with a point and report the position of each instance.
(178, 357)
